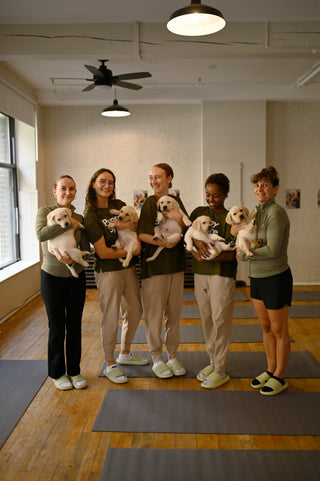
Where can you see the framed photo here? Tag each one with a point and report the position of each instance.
(293, 198)
(139, 196)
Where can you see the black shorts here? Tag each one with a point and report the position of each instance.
(274, 291)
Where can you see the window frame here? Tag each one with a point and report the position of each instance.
(12, 167)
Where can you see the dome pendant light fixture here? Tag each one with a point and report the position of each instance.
(195, 20)
(115, 110)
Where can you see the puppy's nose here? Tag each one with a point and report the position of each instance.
(241, 216)
(165, 207)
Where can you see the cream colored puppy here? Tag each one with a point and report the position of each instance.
(246, 237)
(66, 241)
(168, 230)
(126, 226)
(200, 230)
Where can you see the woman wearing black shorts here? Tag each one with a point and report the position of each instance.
(271, 281)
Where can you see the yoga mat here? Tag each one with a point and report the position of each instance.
(306, 296)
(194, 334)
(210, 465)
(240, 364)
(239, 312)
(239, 296)
(311, 311)
(206, 411)
(20, 381)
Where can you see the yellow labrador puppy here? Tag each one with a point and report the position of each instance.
(246, 237)
(166, 229)
(66, 241)
(126, 226)
(200, 230)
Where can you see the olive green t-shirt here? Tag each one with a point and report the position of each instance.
(96, 225)
(169, 261)
(220, 227)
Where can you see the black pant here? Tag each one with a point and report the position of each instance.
(64, 299)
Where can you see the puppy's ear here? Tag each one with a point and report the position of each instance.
(176, 204)
(134, 217)
(50, 218)
(114, 211)
(246, 211)
(254, 213)
(228, 218)
(196, 224)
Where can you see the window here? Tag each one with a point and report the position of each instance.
(9, 224)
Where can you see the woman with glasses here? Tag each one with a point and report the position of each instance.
(118, 286)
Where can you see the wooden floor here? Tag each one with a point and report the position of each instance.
(53, 440)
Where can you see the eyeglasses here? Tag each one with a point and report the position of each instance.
(105, 182)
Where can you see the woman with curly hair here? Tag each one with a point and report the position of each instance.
(118, 286)
(271, 281)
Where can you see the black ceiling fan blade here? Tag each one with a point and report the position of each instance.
(95, 72)
(90, 87)
(134, 75)
(127, 85)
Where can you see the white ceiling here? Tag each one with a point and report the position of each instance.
(266, 46)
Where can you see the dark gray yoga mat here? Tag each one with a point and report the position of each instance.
(20, 381)
(239, 312)
(219, 412)
(306, 296)
(311, 311)
(194, 334)
(239, 296)
(240, 364)
(210, 465)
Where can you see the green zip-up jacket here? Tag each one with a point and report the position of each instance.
(273, 229)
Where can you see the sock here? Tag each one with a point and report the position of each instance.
(125, 357)
(111, 367)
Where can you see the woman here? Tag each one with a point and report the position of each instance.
(214, 282)
(162, 278)
(271, 281)
(117, 285)
(63, 294)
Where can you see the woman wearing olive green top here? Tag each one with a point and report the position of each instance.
(214, 284)
(118, 286)
(162, 278)
(63, 294)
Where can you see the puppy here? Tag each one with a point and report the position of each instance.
(127, 238)
(200, 230)
(66, 241)
(246, 238)
(165, 229)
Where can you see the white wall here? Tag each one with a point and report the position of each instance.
(294, 149)
(78, 141)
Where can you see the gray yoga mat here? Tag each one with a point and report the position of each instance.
(239, 296)
(306, 296)
(239, 312)
(311, 311)
(240, 364)
(206, 411)
(210, 465)
(194, 334)
(20, 381)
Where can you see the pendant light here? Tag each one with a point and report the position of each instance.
(115, 110)
(196, 19)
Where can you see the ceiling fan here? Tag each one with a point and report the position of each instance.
(104, 76)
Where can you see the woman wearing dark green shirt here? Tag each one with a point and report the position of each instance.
(118, 286)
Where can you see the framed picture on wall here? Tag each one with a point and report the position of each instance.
(293, 198)
(139, 196)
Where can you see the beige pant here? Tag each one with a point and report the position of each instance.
(215, 298)
(162, 299)
(118, 289)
